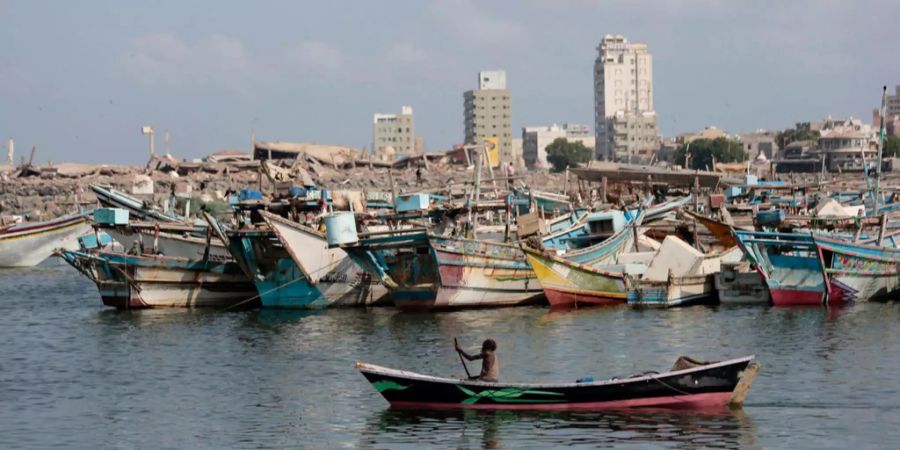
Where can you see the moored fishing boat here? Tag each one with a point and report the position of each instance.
(678, 275)
(132, 281)
(30, 243)
(182, 241)
(689, 385)
(329, 271)
(790, 265)
(109, 197)
(477, 273)
(578, 277)
(282, 283)
(856, 272)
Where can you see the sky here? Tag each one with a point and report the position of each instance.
(79, 78)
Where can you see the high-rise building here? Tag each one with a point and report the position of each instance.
(624, 119)
(893, 103)
(488, 113)
(536, 139)
(394, 135)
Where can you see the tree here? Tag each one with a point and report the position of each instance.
(561, 154)
(802, 131)
(702, 152)
(891, 146)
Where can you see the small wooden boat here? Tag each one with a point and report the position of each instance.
(689, 385)
(27, 244)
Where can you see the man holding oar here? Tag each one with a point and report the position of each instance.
(490, 368)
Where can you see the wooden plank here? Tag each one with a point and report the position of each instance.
(743, 387)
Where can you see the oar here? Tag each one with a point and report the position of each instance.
(455, 345)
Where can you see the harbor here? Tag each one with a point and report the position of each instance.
(449, 224)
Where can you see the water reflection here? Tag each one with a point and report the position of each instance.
(488, 429)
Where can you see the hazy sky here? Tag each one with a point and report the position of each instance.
(79, 78)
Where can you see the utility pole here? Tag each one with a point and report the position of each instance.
(147, 130)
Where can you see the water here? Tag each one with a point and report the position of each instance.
(75, 374)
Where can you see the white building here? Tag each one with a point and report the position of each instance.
(536, 139)
(624, 119)
(394, 135)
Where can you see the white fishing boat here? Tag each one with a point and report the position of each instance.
(131, 281)
(175, 240)
(28, 244)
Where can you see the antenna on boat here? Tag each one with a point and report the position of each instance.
(880, 146)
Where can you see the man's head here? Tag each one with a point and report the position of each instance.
(489, 345)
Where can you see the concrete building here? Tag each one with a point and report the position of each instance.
(759, 142)
(488, 113)
(893, 103)
(394, 135)
(536, 139)
(624, 119)
(892, 116)
(709, 133)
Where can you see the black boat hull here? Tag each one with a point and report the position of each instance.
(709, 386)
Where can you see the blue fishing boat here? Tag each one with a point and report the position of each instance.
(292, 268)
(789, 263)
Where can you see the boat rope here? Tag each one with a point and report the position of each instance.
(668, 385)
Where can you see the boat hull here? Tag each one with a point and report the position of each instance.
(796, 297)
(281, 283)
(679, 291)
(857, 272)
(568, 284)
(28, 245)
(706, 386)
(127, 281)
(475, 274)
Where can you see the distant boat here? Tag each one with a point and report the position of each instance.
(130, 281)
(689, 385)
(28, 244)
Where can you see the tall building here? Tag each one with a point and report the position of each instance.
(536, 139)
(394, 135)
(624, 119)
(893, 103)
(488, 113)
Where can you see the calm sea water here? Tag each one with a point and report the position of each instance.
(75, 374)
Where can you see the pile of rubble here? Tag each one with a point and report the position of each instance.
(43, 191)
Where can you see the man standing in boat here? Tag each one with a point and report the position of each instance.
(490, 368)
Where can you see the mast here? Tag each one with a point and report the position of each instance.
(880, 147)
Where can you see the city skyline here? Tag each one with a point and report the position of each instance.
(318, 73)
